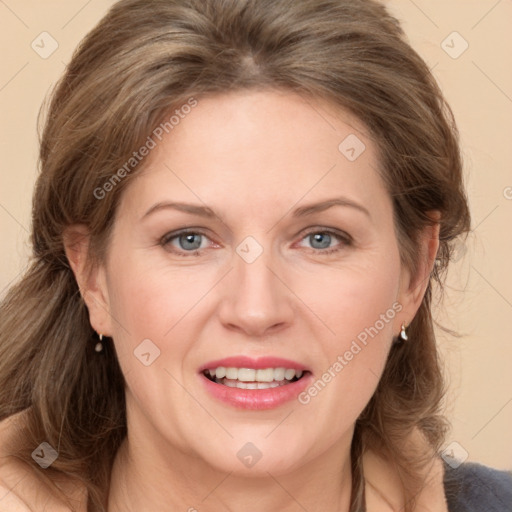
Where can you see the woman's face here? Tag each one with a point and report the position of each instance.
(269, 270)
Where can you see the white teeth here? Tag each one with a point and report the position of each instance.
(279, 374)
(266, 375)
(289, 374)
(249, 378)
(249, 385)
(245, 374)
(231, 373)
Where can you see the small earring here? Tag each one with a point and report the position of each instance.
(99, 345)
(403, 335)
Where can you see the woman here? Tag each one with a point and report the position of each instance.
(285, 359)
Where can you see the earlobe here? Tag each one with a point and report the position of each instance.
(90, 279)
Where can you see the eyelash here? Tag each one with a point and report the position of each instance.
(344, 238)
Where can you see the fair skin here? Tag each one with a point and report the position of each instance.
(253, 158)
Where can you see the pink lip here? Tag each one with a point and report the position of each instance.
(258, 364)
(256, 399)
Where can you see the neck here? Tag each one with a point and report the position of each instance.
(151, 475)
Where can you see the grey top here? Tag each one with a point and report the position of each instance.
(473, 487)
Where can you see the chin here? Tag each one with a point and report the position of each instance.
(256, 459)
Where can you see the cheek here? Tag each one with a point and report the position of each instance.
(155, 302)
(358, 308)
(140, 306)
(352, 299)
(143, 297)
(149, 309)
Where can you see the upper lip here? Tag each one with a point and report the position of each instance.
(259, 363)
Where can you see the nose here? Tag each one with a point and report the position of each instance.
(255, 299)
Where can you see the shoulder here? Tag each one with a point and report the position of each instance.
(472, 487)
(12, 471)
(21, 488)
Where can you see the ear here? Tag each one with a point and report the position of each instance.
(91, 279)
(413, 287)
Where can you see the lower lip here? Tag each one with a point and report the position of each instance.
(257, 399)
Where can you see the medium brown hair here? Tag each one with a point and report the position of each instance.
(145, 59)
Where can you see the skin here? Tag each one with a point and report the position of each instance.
(253, 157)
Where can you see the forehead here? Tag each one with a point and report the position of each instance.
(261, 150)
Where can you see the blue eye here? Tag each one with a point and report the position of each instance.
(190, 243)
(187, 242)
(321, 240)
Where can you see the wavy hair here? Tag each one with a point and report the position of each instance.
(142, 61)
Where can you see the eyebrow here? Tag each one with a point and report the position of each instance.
(329, 203)
(205, 211)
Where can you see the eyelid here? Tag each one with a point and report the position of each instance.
(183, 231)
(332, 231)
(344, 237)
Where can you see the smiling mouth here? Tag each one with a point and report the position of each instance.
(249, 378)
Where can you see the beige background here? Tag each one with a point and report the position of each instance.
(478, 85)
